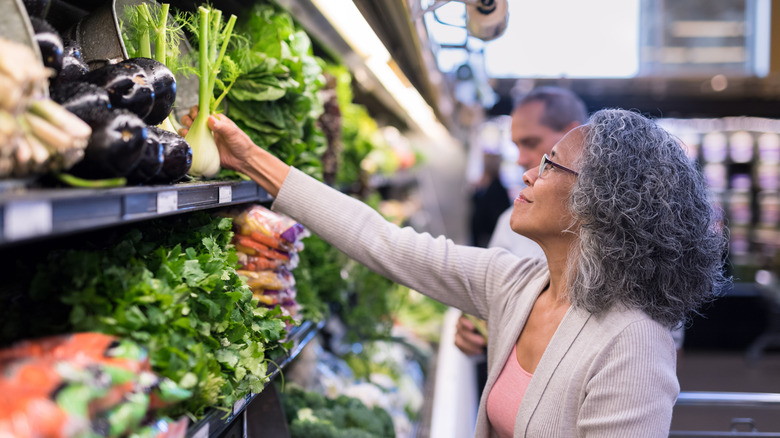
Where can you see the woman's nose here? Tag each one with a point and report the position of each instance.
(529, 176)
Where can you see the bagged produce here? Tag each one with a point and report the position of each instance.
(266, 240)
(77, 385)
(267, 244)
(271, 229)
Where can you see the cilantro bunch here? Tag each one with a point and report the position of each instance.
(172, 286)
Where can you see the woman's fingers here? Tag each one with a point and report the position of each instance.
(470, 344)
(467, 339)
(464, 324)
(228, 131)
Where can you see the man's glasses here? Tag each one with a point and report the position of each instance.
(547, 161)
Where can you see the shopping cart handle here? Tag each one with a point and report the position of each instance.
(710, 398)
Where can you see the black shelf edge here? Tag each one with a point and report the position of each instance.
(215, 423)
(41, 213)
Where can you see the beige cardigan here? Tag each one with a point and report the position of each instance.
(607, 376)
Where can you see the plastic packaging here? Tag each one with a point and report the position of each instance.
(77, 385)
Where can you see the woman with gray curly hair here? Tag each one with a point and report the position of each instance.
(579, 344)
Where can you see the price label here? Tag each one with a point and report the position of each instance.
(167, 201)
(27, 219)
(203, 432)
(225, 194)
(238, 405)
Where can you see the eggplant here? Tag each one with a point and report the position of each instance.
(177, 156)
(115, 147)
(127, 85)
(73, 66)
(88, 101)
(37, 8)
(50, 43)
(164, 83)
(150, 164)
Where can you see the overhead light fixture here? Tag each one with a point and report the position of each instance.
(345, 17)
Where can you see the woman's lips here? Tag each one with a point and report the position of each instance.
(522, 199)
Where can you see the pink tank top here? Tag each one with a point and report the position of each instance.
(504, 398)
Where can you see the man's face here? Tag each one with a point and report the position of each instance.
(531, 137)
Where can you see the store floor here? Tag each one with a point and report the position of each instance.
(727, 371)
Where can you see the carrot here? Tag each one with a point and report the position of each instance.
(269, 241)
(246, 241)
(264, 263)
(273, 254)
(245, 249)
(250, 267)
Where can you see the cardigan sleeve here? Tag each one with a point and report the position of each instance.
(435, 266)
(634, 386)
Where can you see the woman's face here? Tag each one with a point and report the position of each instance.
(540, 211)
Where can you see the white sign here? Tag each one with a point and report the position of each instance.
(27, 219)
(203, 432)
(225, 194)
(167, 201)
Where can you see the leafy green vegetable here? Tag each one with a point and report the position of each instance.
(275, 99)
(326, 280)
(172, 287)
(312, 415)
(318, 278)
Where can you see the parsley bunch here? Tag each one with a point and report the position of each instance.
(172, 286)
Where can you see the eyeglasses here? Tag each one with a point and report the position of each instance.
(546, 160)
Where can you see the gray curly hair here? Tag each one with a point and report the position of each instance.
(649, 236)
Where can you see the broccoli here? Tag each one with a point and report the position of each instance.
(306, 425)
(342, 417)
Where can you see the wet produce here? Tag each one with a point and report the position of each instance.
(150, 164)
(73, 66)
(149, 32)
(164, 85)
(88, 101)
(127, 84)
(177, 156)
(115, 148)
(49, 42)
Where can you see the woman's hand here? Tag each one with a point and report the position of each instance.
(235, 147)
(468, 339)
(238, 152)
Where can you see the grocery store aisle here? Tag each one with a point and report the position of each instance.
(443, 190)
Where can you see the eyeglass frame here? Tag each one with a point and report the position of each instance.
(546, 160)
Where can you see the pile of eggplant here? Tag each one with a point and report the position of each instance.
(123, 103)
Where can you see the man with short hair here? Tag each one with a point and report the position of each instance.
(539, 120)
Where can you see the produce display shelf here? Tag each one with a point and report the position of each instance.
(215, 423)
(30, 214)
